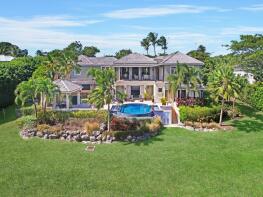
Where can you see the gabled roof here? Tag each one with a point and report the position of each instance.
(135, 58)
(96, 61)
(180, 58)
(66, 86)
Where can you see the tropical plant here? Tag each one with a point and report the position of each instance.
(222, 86)
(162, 42)
(46, 89)
(104, 92)
(26, 91)
(200, 53)
(153, 38)
(145, 43)
(176, 79)
(191, 78)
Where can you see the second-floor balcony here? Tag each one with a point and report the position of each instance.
(138, 73)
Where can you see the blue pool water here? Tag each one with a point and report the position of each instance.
(136, 109)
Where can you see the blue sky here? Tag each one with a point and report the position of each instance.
(115, 24)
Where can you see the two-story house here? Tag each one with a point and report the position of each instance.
(137, 74)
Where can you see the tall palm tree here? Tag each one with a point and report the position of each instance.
(46, 89)
(104, 92)
(192, 78)
(162, 42)
(153, 38)
(222, 85)
(25, 91)
(176, 79)
(145, 43)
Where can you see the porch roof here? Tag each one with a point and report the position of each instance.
(66, 86)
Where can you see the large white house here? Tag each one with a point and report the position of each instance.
(137, 74)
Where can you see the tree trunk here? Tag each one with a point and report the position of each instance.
(35, 109)
(221, 113)
(154, 50)
(147, 51)
(108, 117)
(233, 108)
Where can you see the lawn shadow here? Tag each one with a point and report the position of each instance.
(252, 122)
(148, 141)
(7, 114)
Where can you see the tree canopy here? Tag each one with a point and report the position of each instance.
(90, 51)
(7, 48)
(122, 53)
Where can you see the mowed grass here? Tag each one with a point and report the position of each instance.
(176, 163)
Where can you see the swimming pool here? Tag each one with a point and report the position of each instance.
(135, 110)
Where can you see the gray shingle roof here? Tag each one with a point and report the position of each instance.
(96, 61)
(180, 58)
(135, 58)
(66, 86)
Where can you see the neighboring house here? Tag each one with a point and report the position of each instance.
(241, 72)
(137, 74)
(6, 58)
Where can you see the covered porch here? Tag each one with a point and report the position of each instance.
(68, 95)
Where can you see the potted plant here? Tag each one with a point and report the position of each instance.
(163, 101)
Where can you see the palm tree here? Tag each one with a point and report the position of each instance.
(104, 92)
(46, 89)
(153, 38)
(192, 78)
(145, 43)
(163, 43)
(53, 65)
(222, 85)
(26, 91)
(176, 79)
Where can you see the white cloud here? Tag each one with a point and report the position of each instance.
(256, 7)
(241, 30)
(159, 11)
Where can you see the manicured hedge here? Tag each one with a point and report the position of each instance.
(197, 113)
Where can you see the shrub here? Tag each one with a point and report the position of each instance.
(26, 111)
(256, 98)
(124, 124)
(100, 115)
(52, 117)
(163, 101)
(26, 122)
(153, 127)
(56, 128)
(198, 113)
(43, 127)
(91, 126)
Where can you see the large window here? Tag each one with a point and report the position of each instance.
(124, 73)
(85, 86)
(135, 73)
(173, 70)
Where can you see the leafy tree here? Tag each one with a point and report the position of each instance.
(222, 85)
(192, 78)
(11, 74)
(123, 53)
(250, 50)
(153, 38)
(7, 48)
(26, 91)
(41, 53)
(90, 51)
(145, 43)
(176, 79)
(200, 53)
(104, 92)
(74, 48)
(162, 42)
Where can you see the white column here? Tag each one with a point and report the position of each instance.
(154, 92)
(130, 73)
(54, 101)
(67, 101)
(140, 73)
(78, 98)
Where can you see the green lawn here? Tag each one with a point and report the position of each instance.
(176, 163)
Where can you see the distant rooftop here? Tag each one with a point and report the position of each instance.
(5, 58)
(66, 86)
(138, 59)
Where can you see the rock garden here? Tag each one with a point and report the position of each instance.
(86, 127)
